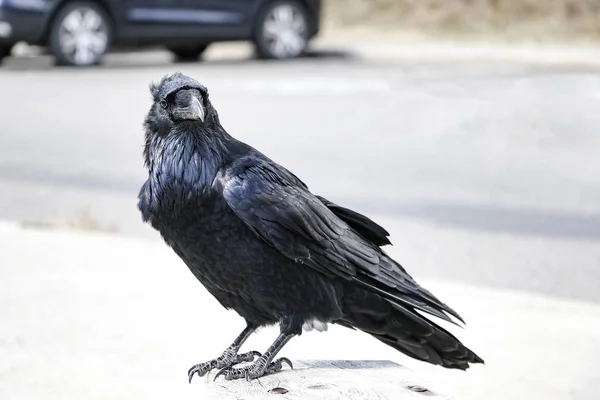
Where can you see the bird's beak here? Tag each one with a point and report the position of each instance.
(194, 111)
(197, 108)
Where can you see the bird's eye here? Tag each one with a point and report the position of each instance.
(164, 104)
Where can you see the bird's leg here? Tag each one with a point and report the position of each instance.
(264, 365)
(229, 357)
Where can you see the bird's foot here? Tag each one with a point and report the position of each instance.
(255, 370)
(227, 359)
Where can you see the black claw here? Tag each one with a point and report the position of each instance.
(225, 361)
(277, 365)
(255, 370)
(221, 372)
(191, 373)
(287, 361)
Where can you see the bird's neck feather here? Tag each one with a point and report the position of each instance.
(182, 166)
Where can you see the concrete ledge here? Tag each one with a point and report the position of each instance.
(94, 316)
(324, 379)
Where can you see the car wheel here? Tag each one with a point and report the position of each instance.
(187, 53)
(5, 52)
(80, 34)
(282, 30)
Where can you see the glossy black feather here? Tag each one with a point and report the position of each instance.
(301, 227)
(360, 223)
(265, 246)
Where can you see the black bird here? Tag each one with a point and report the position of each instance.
(263, 245)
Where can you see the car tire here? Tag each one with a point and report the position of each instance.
(80, 34)
(187, 53)
(5, 52)
(281, 30)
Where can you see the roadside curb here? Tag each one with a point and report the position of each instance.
(418, 51)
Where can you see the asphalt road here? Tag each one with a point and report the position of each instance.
(490, 148)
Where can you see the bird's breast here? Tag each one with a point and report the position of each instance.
(228, 258)
(173, 187)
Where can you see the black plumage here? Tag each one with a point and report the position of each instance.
(263, 245)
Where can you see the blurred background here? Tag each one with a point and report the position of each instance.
(467, 128)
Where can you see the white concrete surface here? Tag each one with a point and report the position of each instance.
(326, 380)
(86, 315)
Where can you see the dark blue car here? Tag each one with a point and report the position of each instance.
(80, 32)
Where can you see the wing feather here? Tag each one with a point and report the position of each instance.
(281, 210)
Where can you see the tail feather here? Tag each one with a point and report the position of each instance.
(405, 290)
(405, 330)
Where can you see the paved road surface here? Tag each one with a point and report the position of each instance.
(485, 147)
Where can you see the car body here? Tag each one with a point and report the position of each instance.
(178, 24)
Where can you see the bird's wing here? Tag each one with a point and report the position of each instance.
(288, 217)
(360, 223)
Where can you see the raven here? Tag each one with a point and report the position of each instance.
(265, 246)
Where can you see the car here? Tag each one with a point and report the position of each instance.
(81, 32)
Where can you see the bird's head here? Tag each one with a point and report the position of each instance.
(179, 100)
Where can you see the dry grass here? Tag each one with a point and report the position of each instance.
(507, 19)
